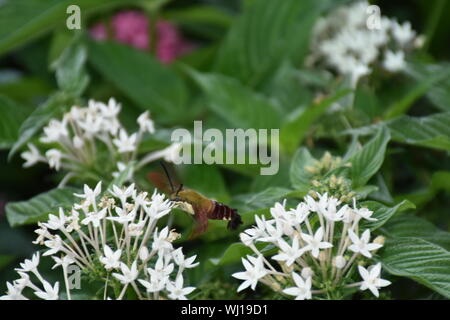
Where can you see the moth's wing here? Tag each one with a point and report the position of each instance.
(159, 180)
(201, 222)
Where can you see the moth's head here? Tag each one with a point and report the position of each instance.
(178, 195)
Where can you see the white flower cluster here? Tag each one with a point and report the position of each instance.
(317, 244)
(29, 268)
(116, 240)
(344, 41)
(77, 141)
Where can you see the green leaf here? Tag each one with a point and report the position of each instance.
(430, 131)
(39, 207)
(383, 213)
(55, 106)
(240, 106)
(367, 161)
(411, 226)
(424, 84)
(70, 73)
(300, 178)
(11, 117)
(144, 80)
(419, 260)
(253, 47)
(288, 87)
(24, 20)
(232, 254)
(206, 14)
(439, 92)
(252, 204)
(205, 179)
(294, 131)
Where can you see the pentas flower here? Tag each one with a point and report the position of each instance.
(113, 240)
(21, 288)
(320, 245)
(86, 136)
(346, 41)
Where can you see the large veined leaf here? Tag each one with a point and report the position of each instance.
(232, 254)
(300, 178)
(439, 92)
(149, 84)
(24, 20)
(367, 161)
(206, 179)
(11, 117)
(411, 226)
(39, 207)
(70, 72)
(253, 204)
(239, 105)
(420, 260)
(55, 106)
(253, 47)
(430, 131)
(293, 132)
(383, 213)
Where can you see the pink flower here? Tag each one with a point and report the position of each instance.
(98, 32)
(132, 28)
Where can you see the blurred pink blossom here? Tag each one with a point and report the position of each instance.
(132, 28)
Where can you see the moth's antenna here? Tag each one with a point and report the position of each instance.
(179, 188)
(168, 176)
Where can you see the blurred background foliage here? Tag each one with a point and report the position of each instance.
(245, 69)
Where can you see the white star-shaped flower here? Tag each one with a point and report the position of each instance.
(128, 275)
(315, 243)
(94, 218)
(289, 253)
(30, 265)
(49, 292)
(302, 290)
(176, 290)
(123, 194)
(90, 194)
(180, 259)
(32, 156)
(54, 158)
(145, 123)
(125, 143)
(160, 242)
(64, 262)
(111, 259)
(253, 272)
(371, 279)
(362, 245)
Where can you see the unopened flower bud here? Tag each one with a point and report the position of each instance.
(339, 262)
(143, 253)
(77, 142)
(307, 272)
